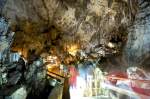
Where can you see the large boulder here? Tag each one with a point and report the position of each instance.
(20, 93)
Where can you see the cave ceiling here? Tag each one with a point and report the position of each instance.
(54, 22)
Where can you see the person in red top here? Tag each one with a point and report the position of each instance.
(73, 76)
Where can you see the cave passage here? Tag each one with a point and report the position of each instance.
(74, 49)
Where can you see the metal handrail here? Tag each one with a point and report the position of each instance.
(119, 78)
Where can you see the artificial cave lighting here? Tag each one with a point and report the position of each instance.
(111, 45)
(52, 61)
(72, 49)
(20, 53)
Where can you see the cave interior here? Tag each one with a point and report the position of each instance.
(74, 49)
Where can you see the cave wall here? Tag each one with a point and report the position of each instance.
(138, 45)
(136, 51)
